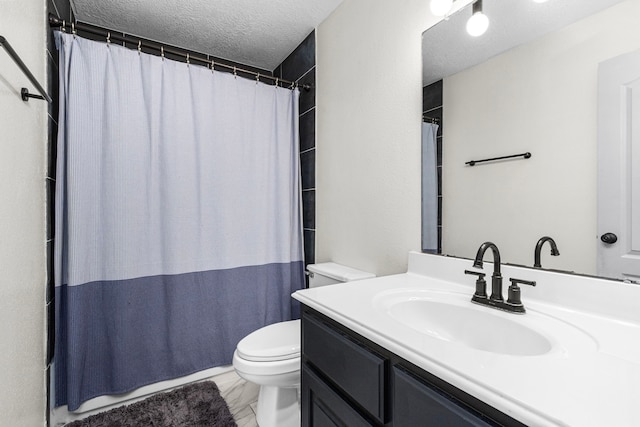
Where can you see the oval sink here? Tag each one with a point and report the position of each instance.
(454, 318)
(473, 328)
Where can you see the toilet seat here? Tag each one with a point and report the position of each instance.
(275, 342)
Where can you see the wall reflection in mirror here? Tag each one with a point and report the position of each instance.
(531, 84)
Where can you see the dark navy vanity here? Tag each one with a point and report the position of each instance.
(347, 380)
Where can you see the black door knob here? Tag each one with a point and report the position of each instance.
(609, 238)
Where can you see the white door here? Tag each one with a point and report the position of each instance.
(619, 167)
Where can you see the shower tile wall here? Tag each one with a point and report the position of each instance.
(432, 108)
(300, 67)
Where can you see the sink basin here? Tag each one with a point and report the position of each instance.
(474, 328)
(454, 318)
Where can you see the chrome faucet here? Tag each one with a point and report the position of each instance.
(536, 255)
(513, 303)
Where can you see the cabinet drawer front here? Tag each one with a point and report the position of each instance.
(353, 368)
(322, 407)
(416, 403)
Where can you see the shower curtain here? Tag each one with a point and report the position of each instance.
(178, 220)
(429, 188)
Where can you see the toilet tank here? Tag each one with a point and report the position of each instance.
(329, 273)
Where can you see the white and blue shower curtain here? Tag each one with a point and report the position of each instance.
(178, 220)
(429, 188)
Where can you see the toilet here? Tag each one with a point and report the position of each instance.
(270, 356)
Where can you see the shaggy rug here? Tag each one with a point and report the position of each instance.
(194, 405)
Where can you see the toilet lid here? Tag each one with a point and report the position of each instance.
(279, 341)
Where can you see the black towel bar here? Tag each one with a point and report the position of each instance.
(24, 93)
(526, 155)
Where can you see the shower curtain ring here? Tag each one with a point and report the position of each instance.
(64, 26)
(187, 59)
(235, 72)
(277, 80)
(73, 28)
(257, 78)
(213, 65)
(162, 52)
(108, 39)
(139, 46)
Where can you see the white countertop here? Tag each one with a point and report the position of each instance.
(590, 377)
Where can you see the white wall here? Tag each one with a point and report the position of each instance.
(542, 98)
(369, 103)
(22, 219)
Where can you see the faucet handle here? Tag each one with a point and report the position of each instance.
(481, 284)
(514, 282)
(475, 273)
(514, 291)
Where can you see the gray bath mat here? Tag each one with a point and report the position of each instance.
(194, 405)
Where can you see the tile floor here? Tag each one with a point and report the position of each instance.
(241, 397)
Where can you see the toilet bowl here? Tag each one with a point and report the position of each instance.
(270, 356)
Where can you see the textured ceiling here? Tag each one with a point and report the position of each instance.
(260, 33)
(448, 49)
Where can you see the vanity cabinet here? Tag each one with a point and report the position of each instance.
(417, 403)
(349, 381)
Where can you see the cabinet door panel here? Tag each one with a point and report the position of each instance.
(417, 404)
(320, 417)
(354, 369)
(322, 407)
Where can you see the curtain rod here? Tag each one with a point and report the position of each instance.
(25, 70)
(185, 54)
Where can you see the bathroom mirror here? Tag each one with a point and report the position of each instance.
(529, 84)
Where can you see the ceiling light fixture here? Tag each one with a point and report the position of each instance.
(440, 7)
(479, 22)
